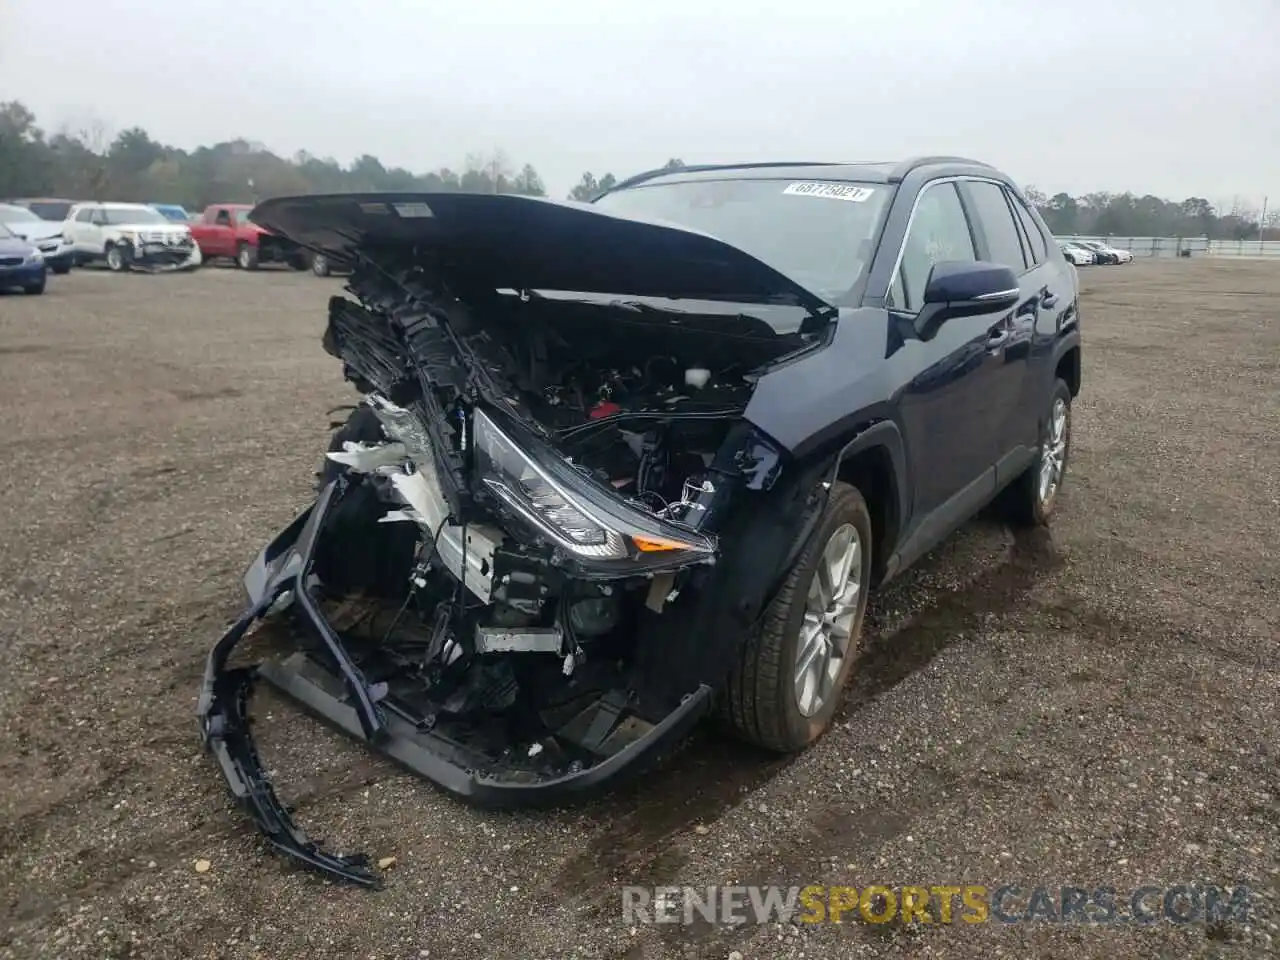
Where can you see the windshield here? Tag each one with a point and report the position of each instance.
(11, 214)
(176, 214)
(50, 209)
(126, 216)
(817, 234)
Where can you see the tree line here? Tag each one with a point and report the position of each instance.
(1131, 215)
(91, 163)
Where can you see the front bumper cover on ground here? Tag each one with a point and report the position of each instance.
(343, 698)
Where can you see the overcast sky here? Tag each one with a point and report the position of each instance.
(1173, 97)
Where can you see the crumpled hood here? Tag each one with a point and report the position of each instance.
(503, 241)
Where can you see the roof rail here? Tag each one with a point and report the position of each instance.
(705, 167)
(906, 166)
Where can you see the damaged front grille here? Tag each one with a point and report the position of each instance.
(410, 467)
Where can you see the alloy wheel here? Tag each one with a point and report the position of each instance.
(1053, 452)
(826, 630)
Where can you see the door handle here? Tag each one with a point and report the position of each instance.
(1048, 300)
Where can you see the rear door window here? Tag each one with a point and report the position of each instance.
(998, 232)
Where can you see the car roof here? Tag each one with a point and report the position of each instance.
(867, 171)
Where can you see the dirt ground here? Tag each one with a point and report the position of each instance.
(1094, 706)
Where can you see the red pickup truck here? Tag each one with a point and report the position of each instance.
(225, 231)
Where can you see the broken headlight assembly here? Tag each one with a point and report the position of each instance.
(592, 526)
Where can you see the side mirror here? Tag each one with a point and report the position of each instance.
(964, 288)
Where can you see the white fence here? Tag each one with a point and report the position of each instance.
(1189, 246)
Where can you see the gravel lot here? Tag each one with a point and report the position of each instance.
(1097, 705)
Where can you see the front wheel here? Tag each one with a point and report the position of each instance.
(62, 270)
(34, 289)
(247, 257)
(792, 669)
(320, 265)
(118, 258)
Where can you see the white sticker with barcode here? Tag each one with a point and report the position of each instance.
(830, 191)
(413, 210)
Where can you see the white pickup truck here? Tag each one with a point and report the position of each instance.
(125, 235)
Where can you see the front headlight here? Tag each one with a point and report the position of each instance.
(573, 511)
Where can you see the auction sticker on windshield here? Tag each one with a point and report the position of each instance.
(832, 191)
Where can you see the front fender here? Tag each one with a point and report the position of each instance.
(814, 404)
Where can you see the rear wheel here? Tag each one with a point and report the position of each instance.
(786, 687)
(62, 269)
(320, 265)
(1030, 499)
(247, 257)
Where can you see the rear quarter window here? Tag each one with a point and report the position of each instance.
(1039, 249)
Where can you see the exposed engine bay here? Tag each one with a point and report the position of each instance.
(568, 459)
(531, 542)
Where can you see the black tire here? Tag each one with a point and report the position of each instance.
(34, 289)
(759, 700)
(1022, 503)
(297, 261)
(118, 257)
(320, 265)
(247, 256)
(62, 271)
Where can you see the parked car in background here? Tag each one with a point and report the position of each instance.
(1104, 253)
(47, 236)
(1107, 254)
(126, 235)
(47, 208)
(173, 212)
(225, 231)
(21, 264)
(1076, 254)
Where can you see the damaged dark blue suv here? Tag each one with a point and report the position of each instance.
(619, 465)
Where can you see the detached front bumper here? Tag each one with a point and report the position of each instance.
(338, 692)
